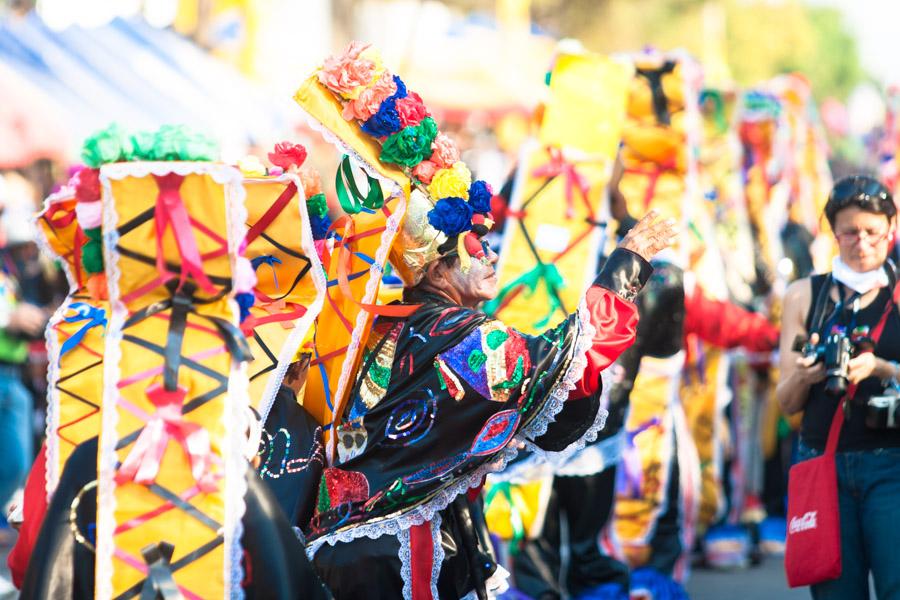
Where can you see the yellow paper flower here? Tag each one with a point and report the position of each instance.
(251, 166)
(452, 182)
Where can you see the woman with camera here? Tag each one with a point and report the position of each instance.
(840, 334)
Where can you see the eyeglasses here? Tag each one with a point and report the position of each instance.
(862, 188)
(851, 238)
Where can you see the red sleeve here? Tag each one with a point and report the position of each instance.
(727, 325)
(616, 321)
(35, 507)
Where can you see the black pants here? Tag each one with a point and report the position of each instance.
(586, 504)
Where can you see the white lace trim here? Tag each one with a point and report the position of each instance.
(393, 525)
(437, 558)
(112, 354)
(301, 325)
(387, 239)
(237, 400)
(594, 459)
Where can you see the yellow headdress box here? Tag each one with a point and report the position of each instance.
(550, 251)
(357, 261)
(290, 281)
(171, 463)
(74, 341)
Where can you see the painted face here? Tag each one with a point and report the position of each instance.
(864, 238)
(479, 283)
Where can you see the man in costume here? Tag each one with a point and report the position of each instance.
(438, 399)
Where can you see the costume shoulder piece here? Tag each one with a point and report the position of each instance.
(171, 467)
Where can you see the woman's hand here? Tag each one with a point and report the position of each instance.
(650, 236)
(809, 372)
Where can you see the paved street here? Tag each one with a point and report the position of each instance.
(765, 581)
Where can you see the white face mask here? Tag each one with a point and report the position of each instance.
(856, 281)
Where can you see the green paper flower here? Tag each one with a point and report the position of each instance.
(411, 145)
(317, 206)
(106, 146)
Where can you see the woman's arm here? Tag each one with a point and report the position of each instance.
(797, 373)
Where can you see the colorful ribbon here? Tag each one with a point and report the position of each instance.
(170, 211)
(546, 272)
(351, 199)
(270, 260)
(558, 165)
(143, 462)
(95, 316)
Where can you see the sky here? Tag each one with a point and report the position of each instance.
(876, 24)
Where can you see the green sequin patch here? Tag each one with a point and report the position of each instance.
(477, 358)
(496, 338)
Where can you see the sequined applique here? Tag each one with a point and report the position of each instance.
(352, 439)
(411, 421)
(457, 359)
(377, 377)
(339, 487)
(288, 466)
(496, 433)
(435, 470)
(449, 381)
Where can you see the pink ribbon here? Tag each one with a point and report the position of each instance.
(558, 165)
(170, 211)
(143, 462)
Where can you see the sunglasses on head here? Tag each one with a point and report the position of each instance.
(861, 188)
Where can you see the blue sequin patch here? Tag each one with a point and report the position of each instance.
(496, 433)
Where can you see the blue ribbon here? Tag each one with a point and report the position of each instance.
(270, 260)
(83, 312)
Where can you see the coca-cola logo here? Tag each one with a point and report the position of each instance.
(807, 521)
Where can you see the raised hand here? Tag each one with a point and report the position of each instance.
(650, 236)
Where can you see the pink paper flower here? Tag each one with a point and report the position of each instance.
(444, 152)
(345, 73)
(425, 171)
(370, 98)
(411, 110)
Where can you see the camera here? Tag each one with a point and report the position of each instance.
(883, 412)
(835, 352)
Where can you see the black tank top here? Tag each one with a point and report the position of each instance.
(820, 407)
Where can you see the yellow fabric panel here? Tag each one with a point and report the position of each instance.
(586, 104)
(551, 231)
(699, 396)
(205, 201)
(79, 385)
(635, 517)
(281, 240)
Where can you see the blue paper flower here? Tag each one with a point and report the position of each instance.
(480, 194)
(401, 89)
(385, 122)
(451, 215)
(319, 225)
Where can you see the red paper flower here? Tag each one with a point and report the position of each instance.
(87, 185)
(287, 154)
(411, 110)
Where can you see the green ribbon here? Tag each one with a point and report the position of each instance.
(515, 518)
(542, 272)
(351, 199)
